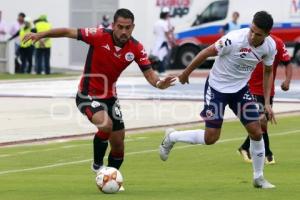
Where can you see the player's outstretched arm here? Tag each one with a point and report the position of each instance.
(53, 33)
(154, 80)
(197, 61)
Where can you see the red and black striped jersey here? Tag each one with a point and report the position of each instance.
(105, 62)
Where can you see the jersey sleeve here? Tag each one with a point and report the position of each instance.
(282, 52)
(141, 58)
(224, 45)
(89, 35)
(269, 58)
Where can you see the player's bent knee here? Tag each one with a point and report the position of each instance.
(210, 141)
(212, 135)
(105, 126)
(102, 135)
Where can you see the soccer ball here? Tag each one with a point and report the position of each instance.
(109, 180)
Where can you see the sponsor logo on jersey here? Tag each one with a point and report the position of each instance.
(244, 68)
(245, 50)
(129, 56)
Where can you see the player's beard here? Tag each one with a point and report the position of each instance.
(121, 40)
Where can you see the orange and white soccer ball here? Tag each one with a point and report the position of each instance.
(109, 180)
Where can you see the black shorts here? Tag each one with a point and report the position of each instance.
(241, 103)
(261, 103)
(89, 106)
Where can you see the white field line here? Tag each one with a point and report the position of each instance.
(62, 147)
(130, 153)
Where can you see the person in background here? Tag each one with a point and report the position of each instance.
(3, 28)
(26, 48)
(105, 22)
(164, 39)
(232, 25)
(43, 46)
(13, 30)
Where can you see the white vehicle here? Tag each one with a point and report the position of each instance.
(201, 27)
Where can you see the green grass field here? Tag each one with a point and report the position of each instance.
(62, 170)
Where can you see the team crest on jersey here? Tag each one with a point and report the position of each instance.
(209, 114)
(129, 56)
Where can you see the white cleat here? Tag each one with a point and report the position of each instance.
(122, 189)
(261, 182)
(166, 145)
(95, 168)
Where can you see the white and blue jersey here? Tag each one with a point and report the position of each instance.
(228, 78)
(237, 59)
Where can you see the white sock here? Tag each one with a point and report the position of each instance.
(257, 151)
(189, 136)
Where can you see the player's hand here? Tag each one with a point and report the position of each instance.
(34, 37)
(270, 113)
(166, 82)
(183, 78)
(285, 85)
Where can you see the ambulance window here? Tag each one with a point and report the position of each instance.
(215, 11)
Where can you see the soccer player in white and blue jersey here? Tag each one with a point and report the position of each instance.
(237, 53)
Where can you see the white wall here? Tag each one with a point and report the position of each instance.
(58, 14)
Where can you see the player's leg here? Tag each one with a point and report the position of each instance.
(243, 105)
(264, 125)
(116, 155)
(212, 113)
(96, 112)
(257, 150)
(244, 148)
(269, 154)
(104, 124)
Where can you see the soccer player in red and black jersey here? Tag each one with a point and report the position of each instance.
(256, 88)
(110, 52)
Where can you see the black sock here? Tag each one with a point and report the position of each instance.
(100, 147)
(267, 144)
(115, 161)
(246, 144)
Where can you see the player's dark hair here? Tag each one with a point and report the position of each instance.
(263, 20)
(21, 14)
(125, 13)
